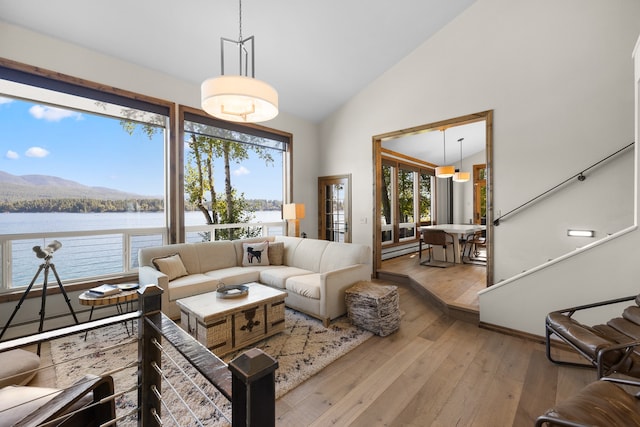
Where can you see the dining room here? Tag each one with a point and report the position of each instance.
(431, 180)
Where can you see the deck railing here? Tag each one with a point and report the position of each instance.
(101, 254)
(247, 382)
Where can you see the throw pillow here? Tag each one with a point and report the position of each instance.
(170, 265)
(276, 253)
(255, 254)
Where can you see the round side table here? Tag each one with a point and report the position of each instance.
(126, 297)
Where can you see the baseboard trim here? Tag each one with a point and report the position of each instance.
(513, 332)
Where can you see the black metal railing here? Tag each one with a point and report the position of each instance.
(247, 382)
(580, 177)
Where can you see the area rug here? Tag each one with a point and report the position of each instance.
(303, 349)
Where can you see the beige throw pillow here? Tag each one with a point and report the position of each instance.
(276, 253)
(170, 265)
(255, 254)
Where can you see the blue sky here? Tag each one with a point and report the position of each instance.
(96, 151)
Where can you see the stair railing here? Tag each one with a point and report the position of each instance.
(580, 176)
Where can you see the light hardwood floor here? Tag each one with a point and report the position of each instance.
(435, 371)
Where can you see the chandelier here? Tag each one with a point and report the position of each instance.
(239, 98)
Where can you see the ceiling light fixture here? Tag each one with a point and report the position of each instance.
(239, 98)
(445, 171)
(461, 176)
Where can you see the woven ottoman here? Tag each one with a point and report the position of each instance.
(374, 307)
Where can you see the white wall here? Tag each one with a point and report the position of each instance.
(558, 76)
(607, 270)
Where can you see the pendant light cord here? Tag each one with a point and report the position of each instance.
(444, 146)
(240, 19)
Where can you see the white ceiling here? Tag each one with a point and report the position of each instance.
(429, 146)
(316, 54)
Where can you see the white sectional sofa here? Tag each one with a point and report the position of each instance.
(314, 273)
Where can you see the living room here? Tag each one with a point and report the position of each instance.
(559, 79)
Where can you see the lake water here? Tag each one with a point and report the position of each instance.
(16, 223)
(88, 256)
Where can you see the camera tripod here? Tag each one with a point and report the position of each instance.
(46, 266)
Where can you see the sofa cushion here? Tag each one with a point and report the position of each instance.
(277, 276)
(308, 254)
(193, 284)
(255, 254)
(307, 285)
(339, 255)
(215, 255)
(171, 265)
(235, 275)
(276, 253)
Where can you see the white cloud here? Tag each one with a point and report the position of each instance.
(52, 114)
(4, 100)
(241, 171)
(36, 152)
(11, 155)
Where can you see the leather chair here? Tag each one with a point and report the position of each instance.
(33, 406)
(612, 347)
(601, 403)
(435, 238)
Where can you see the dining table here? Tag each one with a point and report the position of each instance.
(459, 231)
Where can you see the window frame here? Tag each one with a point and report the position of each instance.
(418, 168)
(186, 113)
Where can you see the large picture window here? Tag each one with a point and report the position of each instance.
(234, 174)
(80, 166)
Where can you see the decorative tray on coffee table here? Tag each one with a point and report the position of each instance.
(232, 291)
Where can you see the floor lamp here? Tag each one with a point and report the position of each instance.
(293, 213)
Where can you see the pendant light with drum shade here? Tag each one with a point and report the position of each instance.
(239, 98)
(445, 171)
(461, 176)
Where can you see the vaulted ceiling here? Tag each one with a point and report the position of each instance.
(316, 54)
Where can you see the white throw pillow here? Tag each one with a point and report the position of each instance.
(255, 254)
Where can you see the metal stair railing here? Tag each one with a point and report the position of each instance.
(580, 176)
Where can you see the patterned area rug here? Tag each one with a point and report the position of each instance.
(302, 350)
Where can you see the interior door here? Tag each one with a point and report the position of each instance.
(334, 208)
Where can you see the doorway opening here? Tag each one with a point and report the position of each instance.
(426, 145)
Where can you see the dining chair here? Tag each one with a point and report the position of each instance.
(435, 238)
(471, 249)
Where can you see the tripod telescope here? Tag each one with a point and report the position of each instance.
(45, 253)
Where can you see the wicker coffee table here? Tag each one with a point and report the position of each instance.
(227, 324)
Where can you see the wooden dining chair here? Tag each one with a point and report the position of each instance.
(435, 238)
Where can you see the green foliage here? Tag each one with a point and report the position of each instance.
(83, 205)
(226, 207)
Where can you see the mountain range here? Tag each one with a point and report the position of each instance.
(36, 187)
